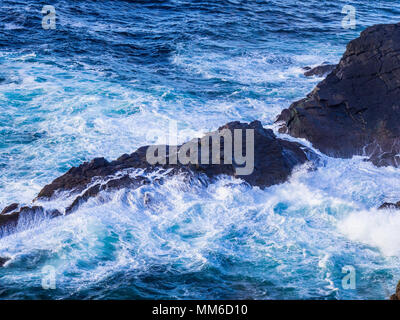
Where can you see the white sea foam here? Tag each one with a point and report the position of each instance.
(377, 228)
(186, 225)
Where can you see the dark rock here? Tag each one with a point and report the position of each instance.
(3, 261)
(319, 71)
(274, 160)
(9, 222)
(30, 212)
(355, 110)
(10, 208)
(388, 205)
(396, 296)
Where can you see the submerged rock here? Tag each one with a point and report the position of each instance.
(227, 151)
(319, 71)
(388, 205)
(3, 261)
(355, 110)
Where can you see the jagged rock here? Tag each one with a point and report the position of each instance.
(9, 222)
(355, 110)
(3, 261)
(119, 183)
(12, 207)
(274, 160)
(388, 205)
(319, 71)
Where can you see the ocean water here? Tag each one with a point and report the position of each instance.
(110, 78)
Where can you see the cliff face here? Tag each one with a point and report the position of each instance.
(356, 109)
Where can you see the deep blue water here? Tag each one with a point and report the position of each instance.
(110, 78)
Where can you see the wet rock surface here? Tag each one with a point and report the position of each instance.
(12, 207)
(319, 71)
(273, 162)
(355, 110)
(26, 215)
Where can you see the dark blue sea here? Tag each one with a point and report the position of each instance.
(111, 77)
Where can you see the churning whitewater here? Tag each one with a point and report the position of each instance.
(110, 78)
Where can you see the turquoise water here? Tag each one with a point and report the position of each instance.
(110, 78)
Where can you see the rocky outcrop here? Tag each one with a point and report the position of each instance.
(12, 207)
(389, 205)
(274, 160)
(356, 109)
(319, 71)
(272, 163)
